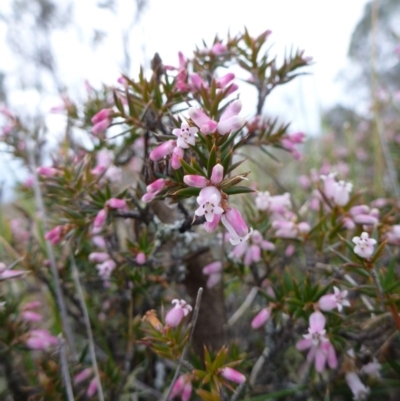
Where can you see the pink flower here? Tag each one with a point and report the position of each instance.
(320, 348)
(214, 273)
(177, 313)
(232, 375)
(6, 273)
(115, 203)
(206, 125)
(359, 390)
(141, 258)
(236, 226)
(342, 193)
(186, 135)
(393, 235)
(217, 174)
(274, 204)
(40, 339)
(230, 121)
(197, 181)
(250, 250)
(102, 120)
(55, 235)
(218, 49)
(99, 257)
(261, 318)
(105, 269)
(82, 376)
(100, 219)
(92, 388)
(225, 80)
(177, 155)
(31, 316)
(182, 387)
(331, 301)
(209, 200)
(211, 226)
(364, 245)
(156, 186)
(153, 189)
(162, 150)
(47, 171)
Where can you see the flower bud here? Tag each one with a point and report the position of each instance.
(162, 150)
(141, 258)
(156, 186)
(196, 181)
(217, 174)
(100, 218)
(233, 375)
(115, 203)
(174, 317)
(261, 318)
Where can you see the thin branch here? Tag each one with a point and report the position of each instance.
(81, 297)
(65, 371)
(185, 350)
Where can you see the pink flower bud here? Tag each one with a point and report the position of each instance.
(187, 391)
(365, 219)
(115, 203)
(92, 388)
(197, 81)
(360, 209)
(141, 258)
(103, 114)
(218, 49)
(206, 125)
(55, 235)
(32, 305)
(100, 218)
(217, 174)
(30, 316)
(214, 267)
(100, 127)
(233, 375)
(211, 226)
(235, 224)
(224, 80)
(196, 181)
(146, 198)
(327, 302)
(156, 186)
(213, 280)
(40, 339)
(177, 155)
(174, 317)
(99, 257)
(82, 376)
(47, 171)
(261, 318)
(162, 150)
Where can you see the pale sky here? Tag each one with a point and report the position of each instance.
(321, 27)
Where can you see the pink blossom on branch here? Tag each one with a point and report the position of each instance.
(214, 273)
(364, 245)
(233, 375)
(320, 348)
(209, 200)
(6, 273)
(261, 318)
(178, 312)
(186, 135)
(336, 300)
(236, 226)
